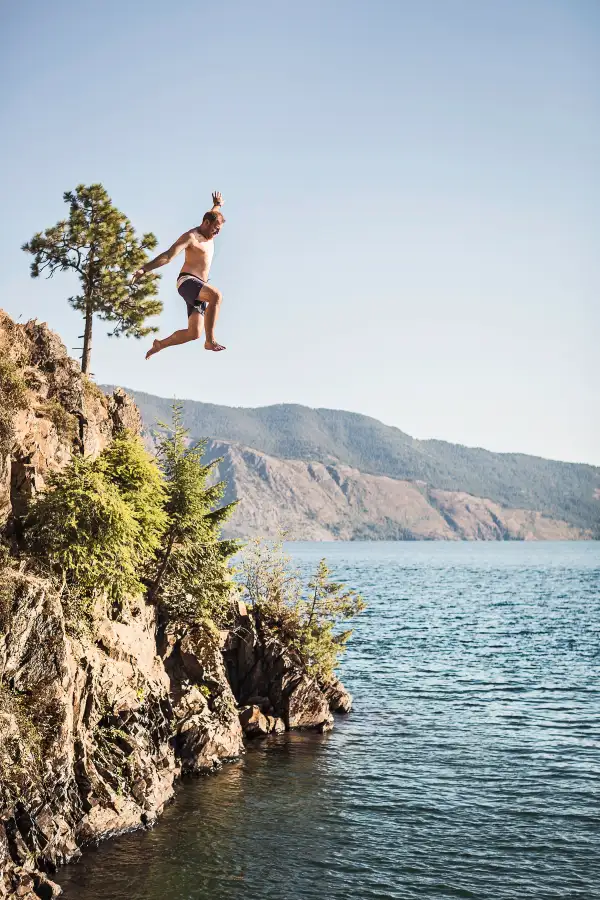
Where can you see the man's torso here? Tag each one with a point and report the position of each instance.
(198, 255)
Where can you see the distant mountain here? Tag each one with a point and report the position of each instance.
(313, 501)
(569, 492)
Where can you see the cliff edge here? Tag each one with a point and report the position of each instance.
(99, 722)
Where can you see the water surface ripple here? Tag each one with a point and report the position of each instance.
(469, 768)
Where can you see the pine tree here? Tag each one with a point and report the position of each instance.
(99, 243)
(192, 579)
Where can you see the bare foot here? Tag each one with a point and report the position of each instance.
(212, 345)
(153, 349)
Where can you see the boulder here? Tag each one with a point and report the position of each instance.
(339, 699)
(306, 706)
(254, 723)
(276, 726)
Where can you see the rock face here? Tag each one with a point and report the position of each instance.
(97, 724)
(106, 725)
(268, 677)
(63, 411)
(207, 728)
(315, 501)
(89, 722)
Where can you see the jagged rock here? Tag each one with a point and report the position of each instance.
(123, 412)
(259, 665)
(339, 699)
(65, 411)
(307, 707)
(208, 731)
(254, 723)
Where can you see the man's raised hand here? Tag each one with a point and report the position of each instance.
(137, 275)
(217, 199)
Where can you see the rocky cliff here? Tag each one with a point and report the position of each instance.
(97, 723)
(314, 501)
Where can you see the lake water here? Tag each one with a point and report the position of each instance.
(470, 766)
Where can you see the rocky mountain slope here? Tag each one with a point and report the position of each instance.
(567, 492)
(313, 501)
(98, 720)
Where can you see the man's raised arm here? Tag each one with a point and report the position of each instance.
(163, 258)
(217, 198)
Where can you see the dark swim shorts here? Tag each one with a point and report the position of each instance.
(189, 287)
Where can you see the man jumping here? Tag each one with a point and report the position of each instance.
(202, 300)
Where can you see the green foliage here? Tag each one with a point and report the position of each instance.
(192, 579)
(98, 525)
(137, 477)
(306, 619)
(85, 532)
(99, 244)
(13, 396)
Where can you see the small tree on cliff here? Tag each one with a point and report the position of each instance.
(192, 579)
(306, 619)
(99, 243)
(100, 523)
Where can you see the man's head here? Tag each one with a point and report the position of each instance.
(211, 223)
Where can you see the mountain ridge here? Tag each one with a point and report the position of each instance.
(314, 501)
(562, 490)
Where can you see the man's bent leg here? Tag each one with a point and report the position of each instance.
(183, 336)
(212, 297)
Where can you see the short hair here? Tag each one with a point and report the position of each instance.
(212, 216)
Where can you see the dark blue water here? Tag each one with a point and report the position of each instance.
(469, 768)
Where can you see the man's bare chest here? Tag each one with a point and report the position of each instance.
(201, 249)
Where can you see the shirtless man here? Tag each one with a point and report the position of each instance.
(202, 300)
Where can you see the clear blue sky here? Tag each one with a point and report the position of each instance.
(412, 197)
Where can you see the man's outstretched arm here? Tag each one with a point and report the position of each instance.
(163, 258)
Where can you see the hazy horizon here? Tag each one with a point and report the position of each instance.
(412, 196)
